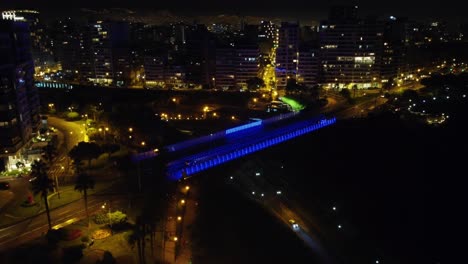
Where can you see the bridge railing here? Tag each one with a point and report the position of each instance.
(223, 133)
(233, 152)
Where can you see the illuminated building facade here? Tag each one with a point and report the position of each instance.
(224, 74)
(350, 50)
(40, 42)
(267, 31)
(287, 53)
(19, 100)
(105, 53)
(308, 66)
(235, 65)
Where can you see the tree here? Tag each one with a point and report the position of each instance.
(409, 94)
(354, 90)
(345, 93)
(49, 152)
(110, 148)
(83, 183)
(85, 151)
(255, 83)
(292, 86)
(107, 258)
(138, 237)
(43, 184)
(97, 111)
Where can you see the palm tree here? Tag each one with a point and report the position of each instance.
(85, 151)
(43, 184)
(83, 183)
(138, 237)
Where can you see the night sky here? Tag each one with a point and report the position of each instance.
(451, 10)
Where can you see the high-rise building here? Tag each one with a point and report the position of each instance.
(200, 55)
(267, 31)
(394, 51)
(19, 100)
(66, 46)
(350, 50)
(287, 53)
(235, 65)
(246, 63)
(40, 42)
(105, 51)
(154, 71)
(224, 74)
(308, 66)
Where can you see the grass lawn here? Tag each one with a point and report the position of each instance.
(67, 195)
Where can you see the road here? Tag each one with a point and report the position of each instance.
(260, 190)
(69, 134)
(37, 226)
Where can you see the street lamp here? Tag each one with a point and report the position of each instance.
(108, 213)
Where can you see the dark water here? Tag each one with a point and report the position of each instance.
(397, 187)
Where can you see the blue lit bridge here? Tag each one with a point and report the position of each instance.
(196, 155)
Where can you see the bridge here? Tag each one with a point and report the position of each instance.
(196, 155)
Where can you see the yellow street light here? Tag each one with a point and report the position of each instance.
(179, 218)
(187, 188)
(143, 143)
(130, 129)
(175, 239)
(182, 201)
(107, 129)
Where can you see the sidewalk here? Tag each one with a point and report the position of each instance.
(179, 251)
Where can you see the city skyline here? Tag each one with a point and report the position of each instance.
(234, 132)
(298, 9)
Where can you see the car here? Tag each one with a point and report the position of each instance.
(4, 186)
(294, 225)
